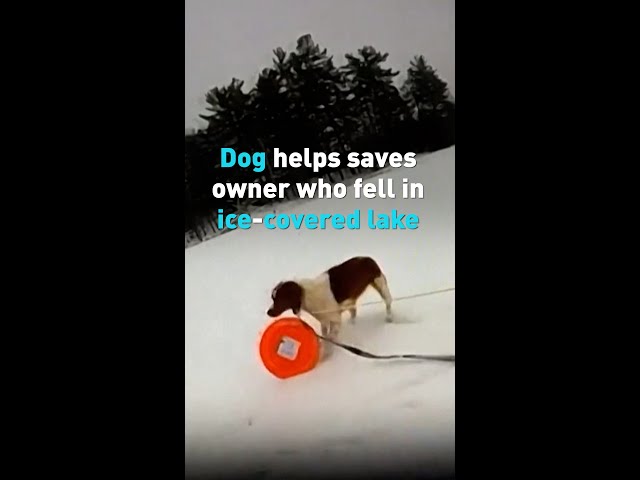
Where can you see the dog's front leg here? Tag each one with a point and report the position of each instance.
(335, 322)
(330, 324)
(327, 348)
(325, 329)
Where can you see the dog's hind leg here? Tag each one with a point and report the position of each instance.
(353, 312)
(380, 284)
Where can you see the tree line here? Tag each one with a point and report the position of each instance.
(305, 101)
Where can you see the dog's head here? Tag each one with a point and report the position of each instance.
(285, 296)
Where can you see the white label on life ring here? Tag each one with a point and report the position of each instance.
(288, 348)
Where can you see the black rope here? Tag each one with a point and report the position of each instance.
(362, 353)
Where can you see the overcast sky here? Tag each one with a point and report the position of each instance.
(236, 38)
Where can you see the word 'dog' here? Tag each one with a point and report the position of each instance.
(244, 160)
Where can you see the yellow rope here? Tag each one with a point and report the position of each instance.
(398, 299)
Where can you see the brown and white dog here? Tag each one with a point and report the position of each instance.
(331, 293)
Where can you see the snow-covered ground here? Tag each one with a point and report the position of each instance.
(350, 411)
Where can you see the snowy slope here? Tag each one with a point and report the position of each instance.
(349, 411)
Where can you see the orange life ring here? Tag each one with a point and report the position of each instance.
(289, 347)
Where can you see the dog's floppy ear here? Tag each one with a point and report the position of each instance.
(293, 293)
(297, 299)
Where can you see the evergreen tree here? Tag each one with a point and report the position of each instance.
(298, 105)
(312, 84)
(375, 100)
(230, 111)
(426, 92)
(272, 105)
(233, 123)
(271, 101)
(428, 97)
